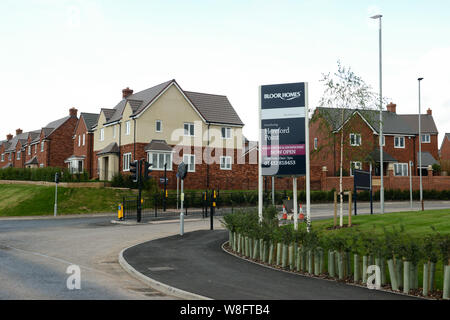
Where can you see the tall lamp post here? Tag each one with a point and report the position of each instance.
(379, 16)
(420, 151)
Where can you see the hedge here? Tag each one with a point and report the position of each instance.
(345, 256)
(42, 174)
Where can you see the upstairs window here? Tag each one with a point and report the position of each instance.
(355, 139)
(84, 139)
(189, 129)
(3, 157)
(426, 138)
(79, 140)
(316, 143)
(18, 155)
(29, 150)
(102, 134)
(399, 142)
(158, 126)
(42, 146)
(127, 128)
(226, 133)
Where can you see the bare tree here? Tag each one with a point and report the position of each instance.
(344, 94)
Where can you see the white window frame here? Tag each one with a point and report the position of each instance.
(355, 136)
(400, 138)
(84, 139)
(383, 140)
(42, 146)
(190, 132)
(427, 140)
(191, 161)
(160, 126)
(79, 140)
(114, 131)
(160, 166)
(126, 162)
(226, 133)
(127, 128)
(102, 134)
(41, 165)
(403, 167)
(316, 143)
(3, 157)
(224, 164)
(18, 155)
(358, 167)
(29, 150)
(35, 148)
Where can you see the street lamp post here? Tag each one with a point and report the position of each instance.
(379, 16)
(420, 150)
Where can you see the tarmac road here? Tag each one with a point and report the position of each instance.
(196, 263)
(35, 254)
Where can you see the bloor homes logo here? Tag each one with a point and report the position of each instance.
(286, 96)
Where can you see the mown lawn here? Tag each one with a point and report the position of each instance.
(416, 223)
(26, 200)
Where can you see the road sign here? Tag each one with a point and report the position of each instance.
(283, 134)
(362, 179)
(182, 171)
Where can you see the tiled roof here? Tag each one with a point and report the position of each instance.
(33, 160)
(393, 123)
(214, 108)
(90, 119)
(110, 148)
(158, 145)
(427, 159)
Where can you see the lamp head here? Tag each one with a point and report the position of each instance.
(378, 16)
(420, 79)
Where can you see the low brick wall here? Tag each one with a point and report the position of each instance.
(438, 183)
(61, 184)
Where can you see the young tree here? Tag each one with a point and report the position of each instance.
(344, 93)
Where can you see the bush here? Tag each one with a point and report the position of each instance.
(42, 174)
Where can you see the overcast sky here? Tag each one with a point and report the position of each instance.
(58, 54)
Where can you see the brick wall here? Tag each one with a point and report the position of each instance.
(60, 146)
(85, 150)
(445, 150)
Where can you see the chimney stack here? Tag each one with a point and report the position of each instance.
(392, 107)
(9, 137)
(18, 131)
(429, 112)
(73, 112)
(126, 93)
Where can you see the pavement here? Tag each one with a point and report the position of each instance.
(195, 263)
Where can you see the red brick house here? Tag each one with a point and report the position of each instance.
(445, 148)
(54, 143)
(83, 144)
(361, 140)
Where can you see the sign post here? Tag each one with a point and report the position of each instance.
(181, 174)
(56, 194)
(362, 180)
(284, 137)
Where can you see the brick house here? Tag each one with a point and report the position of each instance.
(445, 148)
(165, 124)
(361, 140)
(11, 150)
(83, 144)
